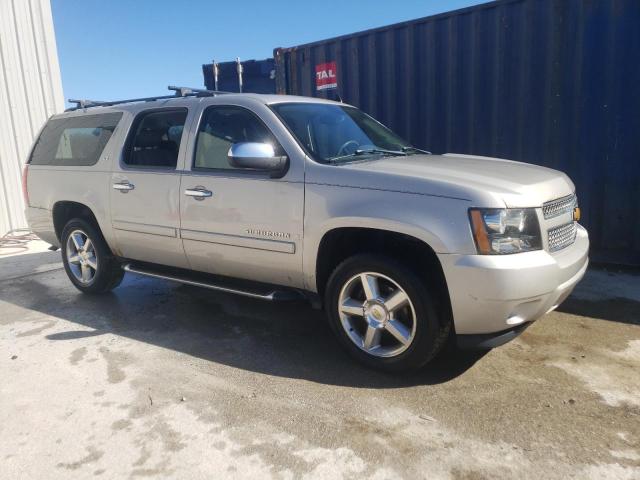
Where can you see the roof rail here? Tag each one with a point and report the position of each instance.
(96, 103)
(179, 92)
(185, 91)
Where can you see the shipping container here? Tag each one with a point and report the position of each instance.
(258, 76)
(550, 82)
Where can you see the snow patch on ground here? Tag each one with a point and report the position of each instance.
(625, 454)
(615, 376)
(611, 471)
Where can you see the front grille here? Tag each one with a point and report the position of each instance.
(559, 206)
(562, 236)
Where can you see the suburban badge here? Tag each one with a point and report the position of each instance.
(267, 233)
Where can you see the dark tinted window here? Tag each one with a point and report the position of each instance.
(223, 126)
(74, 141)
(155, 139)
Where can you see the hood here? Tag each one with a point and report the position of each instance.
(484, 181)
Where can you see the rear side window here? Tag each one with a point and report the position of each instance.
(74, 141)
(155, 139)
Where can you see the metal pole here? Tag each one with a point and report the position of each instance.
(239, 67)
(215, 74)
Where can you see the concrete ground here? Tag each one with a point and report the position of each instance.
(158, 379)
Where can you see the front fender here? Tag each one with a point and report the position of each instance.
(441, 223)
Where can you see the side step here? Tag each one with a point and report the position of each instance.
(236, 287)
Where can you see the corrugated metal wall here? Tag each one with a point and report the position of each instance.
(258, 76)
(551, 82)
(30, 91)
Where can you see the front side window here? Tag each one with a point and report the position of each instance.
(221, 127)
(74, 141)
(155, 139)
(334, 133)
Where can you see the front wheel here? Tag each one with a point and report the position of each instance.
(383, 313)
(87, 259)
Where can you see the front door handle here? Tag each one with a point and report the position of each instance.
(199, 193)
(124, 187)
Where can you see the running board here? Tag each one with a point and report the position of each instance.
(270, 295)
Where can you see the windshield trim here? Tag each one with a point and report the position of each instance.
(313, 156)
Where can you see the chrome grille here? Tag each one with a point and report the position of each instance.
(559, 206)
(562, 236)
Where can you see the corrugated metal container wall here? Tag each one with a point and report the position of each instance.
(30, 92)
(551, 82)
(258, 76)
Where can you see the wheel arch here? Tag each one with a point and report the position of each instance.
(64, 210)
(338, 244)
(317, 237)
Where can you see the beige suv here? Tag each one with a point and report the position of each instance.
(277, 198)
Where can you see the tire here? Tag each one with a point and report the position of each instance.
(91, 268)
(386, 331)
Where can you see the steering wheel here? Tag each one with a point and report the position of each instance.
(342, 149)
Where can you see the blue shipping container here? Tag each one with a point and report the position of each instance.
(258, 76)
(550, 82)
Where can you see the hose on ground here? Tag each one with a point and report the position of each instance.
(15, 241)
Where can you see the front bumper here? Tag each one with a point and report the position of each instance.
(496, 293)
(486, 341)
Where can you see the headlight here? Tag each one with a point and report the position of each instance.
(499, 231)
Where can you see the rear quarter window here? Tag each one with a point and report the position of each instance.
(74, 141)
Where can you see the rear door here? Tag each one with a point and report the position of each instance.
(145, 183)
(245, 224)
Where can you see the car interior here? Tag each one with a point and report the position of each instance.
(157, 140)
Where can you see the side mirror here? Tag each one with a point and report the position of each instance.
(256, 156)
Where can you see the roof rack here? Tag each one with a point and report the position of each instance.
(188, 91)
(179, 92)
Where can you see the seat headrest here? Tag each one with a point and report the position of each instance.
(148, 138)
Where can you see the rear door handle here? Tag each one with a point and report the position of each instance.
(124, 187)
(199, 193)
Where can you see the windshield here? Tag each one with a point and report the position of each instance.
(337, 133)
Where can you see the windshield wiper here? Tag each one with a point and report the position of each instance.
(368, 151)
(381, 150)
(415, 149)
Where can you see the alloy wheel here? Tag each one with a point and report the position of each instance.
(81, 257)
(377, 314)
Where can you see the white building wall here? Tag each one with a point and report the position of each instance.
(30, 92)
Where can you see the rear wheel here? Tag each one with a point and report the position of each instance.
(87, 259)
(383, 313)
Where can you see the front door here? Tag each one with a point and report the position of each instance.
(236, 222)
(145, 189)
